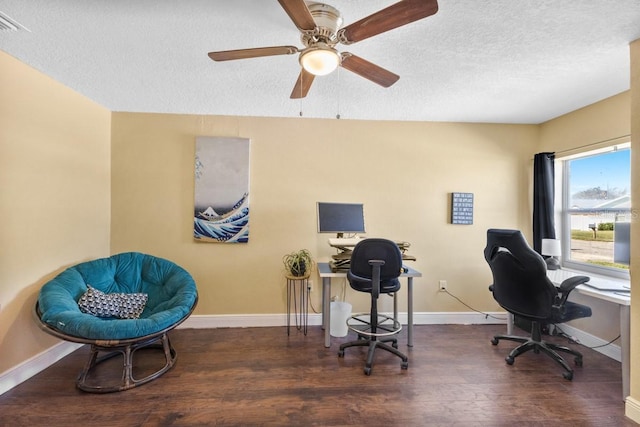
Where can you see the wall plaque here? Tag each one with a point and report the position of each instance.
(462, 208)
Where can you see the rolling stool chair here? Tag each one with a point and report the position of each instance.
(375, 267)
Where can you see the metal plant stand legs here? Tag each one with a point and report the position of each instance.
(298, 297)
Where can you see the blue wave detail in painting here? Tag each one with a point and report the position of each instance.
(232, 227)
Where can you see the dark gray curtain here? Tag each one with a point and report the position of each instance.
(543, 195)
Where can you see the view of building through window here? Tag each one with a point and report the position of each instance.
(597, 209)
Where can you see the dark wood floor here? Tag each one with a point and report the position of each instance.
(259, 376)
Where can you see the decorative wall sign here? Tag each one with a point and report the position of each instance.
(462, 208)
(221, 208)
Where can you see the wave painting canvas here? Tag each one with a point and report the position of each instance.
(221, 208)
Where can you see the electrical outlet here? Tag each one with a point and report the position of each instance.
(443, 285)
(310, 285)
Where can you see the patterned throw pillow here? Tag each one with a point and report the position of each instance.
(121, 305)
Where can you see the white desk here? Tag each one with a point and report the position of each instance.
(624, 303)
(325, 273)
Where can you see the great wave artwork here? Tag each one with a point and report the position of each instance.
(221, 208)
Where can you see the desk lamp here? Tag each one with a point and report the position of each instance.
(552, 249)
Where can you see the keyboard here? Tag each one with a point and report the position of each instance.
(344, 242)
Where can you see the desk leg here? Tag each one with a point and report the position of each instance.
(395, 306)
(510, 321)
(326, 309)
(410, 311)
(625, 348)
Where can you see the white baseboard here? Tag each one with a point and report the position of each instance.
(30, 367)
(632, 409)
(423, 318)
(258, 320)
(37, 363)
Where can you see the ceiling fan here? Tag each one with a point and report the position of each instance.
(321, 30)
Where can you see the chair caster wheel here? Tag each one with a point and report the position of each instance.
(567, 375)
(494, 341)
(340, 353)
(509, 360)
(404, 365)
(394, 345)
(367, 371)
(578, 361)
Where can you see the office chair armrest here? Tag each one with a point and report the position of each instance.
(572, 282)
(376, 265)
(568, 285)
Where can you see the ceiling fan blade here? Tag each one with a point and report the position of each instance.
(227, 55)
(299, 14)
(368, 70)
(302, 85)
(394, 16)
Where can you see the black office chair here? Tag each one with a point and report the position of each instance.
(375, 267)
(521, 286)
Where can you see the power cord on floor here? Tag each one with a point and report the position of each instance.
(486, 315)
(559, 332)
(556, 329)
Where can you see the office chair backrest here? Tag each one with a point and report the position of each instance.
(520, 282)
(359, 274)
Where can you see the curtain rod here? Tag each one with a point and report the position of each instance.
(593, 143)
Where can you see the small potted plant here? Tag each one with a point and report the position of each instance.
(298, 263)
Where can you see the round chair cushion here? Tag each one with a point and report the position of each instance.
(171, 294)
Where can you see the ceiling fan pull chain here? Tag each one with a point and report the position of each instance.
(301, 97)
(338, 114)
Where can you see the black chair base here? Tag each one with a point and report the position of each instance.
(373, 345)
(536, 344)
(368, 338)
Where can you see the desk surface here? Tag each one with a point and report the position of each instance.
(324, 270)
(558, 276)
(624, 302)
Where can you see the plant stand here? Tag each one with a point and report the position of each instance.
(298, 296)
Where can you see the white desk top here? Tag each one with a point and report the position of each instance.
(558, 276)
(324, 270)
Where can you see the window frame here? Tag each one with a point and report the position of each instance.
(563, 213)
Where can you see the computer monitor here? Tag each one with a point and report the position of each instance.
(340, 218)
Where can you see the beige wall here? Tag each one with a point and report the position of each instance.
(403, 172)
(599, 125)
(55, 197)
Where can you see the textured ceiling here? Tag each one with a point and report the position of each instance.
(502, 61)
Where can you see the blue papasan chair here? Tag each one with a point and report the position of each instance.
(118, 305)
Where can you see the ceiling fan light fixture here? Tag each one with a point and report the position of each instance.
(319, 60)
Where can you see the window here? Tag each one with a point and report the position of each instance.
(596, 211)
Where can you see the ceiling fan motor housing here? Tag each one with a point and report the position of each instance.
(328, 21)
